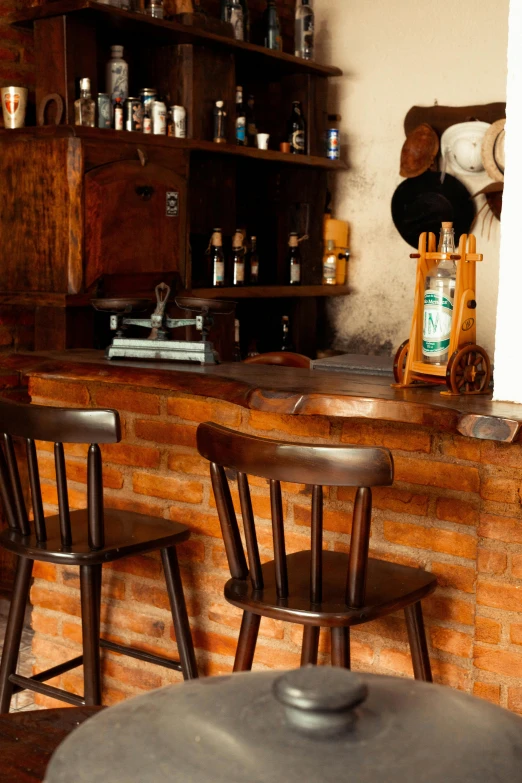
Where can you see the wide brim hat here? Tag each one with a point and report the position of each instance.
(493, 150)
(419, 151)
(423, 203)
(461, 146)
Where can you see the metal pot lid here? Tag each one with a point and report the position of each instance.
(314, 724)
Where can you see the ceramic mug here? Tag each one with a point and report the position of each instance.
(14, 104)
(262, 141)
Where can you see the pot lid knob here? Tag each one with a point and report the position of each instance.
(321, 699)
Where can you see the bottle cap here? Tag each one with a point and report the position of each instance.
(117, 51)
(292, 240)
(85, 84)
(219, 104)
(447, 225)
(237, 241)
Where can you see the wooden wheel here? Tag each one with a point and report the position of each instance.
(469, 370)
(399, 363)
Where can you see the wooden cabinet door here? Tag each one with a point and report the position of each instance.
(135, 220)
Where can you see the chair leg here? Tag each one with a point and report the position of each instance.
(246, 645)
(310, 646)
(341, 647)
(13, 632)
(90, 586)
(178, 608)
(418, 644)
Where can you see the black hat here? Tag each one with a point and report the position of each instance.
(423, 203)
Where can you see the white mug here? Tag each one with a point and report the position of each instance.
(262, 141)
(14, 103)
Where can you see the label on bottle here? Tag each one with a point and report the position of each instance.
(118, 118)
(239, 272)
(241, 129)
(438, 314)
(254, 270)
(298, 140)
(330, 269)
(219, 272)
(295, 273)
(236, 20)
(147, 125)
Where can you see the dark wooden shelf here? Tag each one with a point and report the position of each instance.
(193, 145)
(171, 32)
(271, 291)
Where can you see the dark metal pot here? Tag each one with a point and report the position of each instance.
(316, 724)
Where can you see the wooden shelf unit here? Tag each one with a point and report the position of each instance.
(271, 291)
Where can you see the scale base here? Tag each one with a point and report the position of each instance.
(165, 350)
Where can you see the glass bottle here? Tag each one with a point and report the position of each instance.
(304, 30)
(84, 107)
(297, 130)
(294, 260)
(286, 343)
(273, 38)
(155, 8)
(253, 262)
(236, 19)
(219, 123)
(246, 20)
(238, 259)
(251, 127)
(240, 118)
(330, 264)
(439, 294)
(237, 343)
(117, 75)
(118, 115)
(224, 5)
(217, 259)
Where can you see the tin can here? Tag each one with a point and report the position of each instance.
(159, 118)
(104, 110)
(147, 97)
(133, 114)
(333, 144)
(179, 121)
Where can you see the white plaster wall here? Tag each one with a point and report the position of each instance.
(396, 54)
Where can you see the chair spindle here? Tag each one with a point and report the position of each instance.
(95, 497)
(36, 492)
(7, 495)
(254, 561)
(18, 495)
(358, 564)
(228, 520)
(316, 560)
(63, 497)
(278, 532)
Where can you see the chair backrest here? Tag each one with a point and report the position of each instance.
(281, 358)
(57, 425)
(329, 465)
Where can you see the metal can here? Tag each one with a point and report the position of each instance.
(147, 97)
(159, 118)
(179, 121)
(133, 114)
(333, 144)
(104, 110)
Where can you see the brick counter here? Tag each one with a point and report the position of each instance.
(453, 509)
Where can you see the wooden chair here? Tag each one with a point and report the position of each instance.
(85, 538)
(282, 358)
(315, 588)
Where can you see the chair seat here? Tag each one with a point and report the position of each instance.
(126, 533)
(389, 587)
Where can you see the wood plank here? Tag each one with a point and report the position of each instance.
(442, 117)
(285, 390)
(271, 291)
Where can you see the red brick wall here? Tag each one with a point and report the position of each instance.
(454, 509)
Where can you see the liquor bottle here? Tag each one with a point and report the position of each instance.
(224, 10)
(330, 264)
(219, 123)
(273, 38)
(117, 75)
(236, 19)
(217, 259)
(118, 115)
(251, 127)
(304, 30)
(286, 342)
(84, 107)
(439, 294)
(237, 344)
(253, 262)
(294, 260)
(297, 130)
(238, 259)
(246, 20)
(240, 118)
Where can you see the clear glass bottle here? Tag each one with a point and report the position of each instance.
(236, 19)
(296, 135)
(304, 30)
(84, 107)
(238, 259)
(217, 259)
(294, 260)
(220, 123)
(330, 264)
(439, 294)
(273, 38)
(117, 76)
(240, 118)
(253, 262)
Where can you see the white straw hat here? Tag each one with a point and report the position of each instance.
(461, 146)
(493, 151)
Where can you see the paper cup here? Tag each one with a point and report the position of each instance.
(14, 104)
(262, 141)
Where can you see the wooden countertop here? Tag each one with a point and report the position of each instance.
(286, 390)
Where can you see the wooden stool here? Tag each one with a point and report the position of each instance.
(314, 588)
(85, 538)
(282, 358)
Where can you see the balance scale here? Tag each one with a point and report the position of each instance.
(159, 345)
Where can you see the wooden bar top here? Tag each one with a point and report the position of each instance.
(284, 390)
